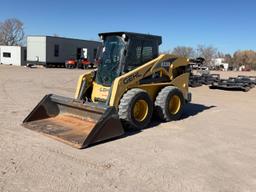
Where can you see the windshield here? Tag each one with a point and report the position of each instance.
(110, 59)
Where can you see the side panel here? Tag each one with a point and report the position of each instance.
(36, 49)
(153, 89)
(132, 78)
(11, 55)
(23, 58)
(99, 92)
(182, 83)
(83, 83)
(67, 48)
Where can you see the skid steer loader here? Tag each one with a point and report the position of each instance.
(132, 81)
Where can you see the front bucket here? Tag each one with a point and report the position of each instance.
(73, 122)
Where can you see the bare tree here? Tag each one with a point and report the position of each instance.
(208, 53)
(12, 32)
(228, 59)
(245, 57)
(184, 51)
(220, 55)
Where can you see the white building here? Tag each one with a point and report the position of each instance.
(220, 62)
(13, 55)
(49, 50)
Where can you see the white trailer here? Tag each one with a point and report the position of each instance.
(13, 55)
(49, 50)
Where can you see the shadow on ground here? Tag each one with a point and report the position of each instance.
(190, 110)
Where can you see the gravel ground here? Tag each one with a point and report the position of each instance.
(212, 148)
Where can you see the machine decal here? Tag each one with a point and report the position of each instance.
(165, 64)
(131, 77)
(103, 89)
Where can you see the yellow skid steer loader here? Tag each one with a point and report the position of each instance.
(132, 81)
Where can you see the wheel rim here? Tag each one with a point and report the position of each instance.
(140, 110)
(174, 104)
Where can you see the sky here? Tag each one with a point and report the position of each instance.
(228, 25)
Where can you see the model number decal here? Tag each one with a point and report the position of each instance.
(131, 77)
(103, 89)
(165, 64)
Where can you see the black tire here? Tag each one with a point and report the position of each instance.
(127, 109)
(169, 104)
(85, 66)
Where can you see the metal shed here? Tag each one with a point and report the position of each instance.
(13, 55)
(49, 50)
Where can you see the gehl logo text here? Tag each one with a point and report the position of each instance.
(131, 77)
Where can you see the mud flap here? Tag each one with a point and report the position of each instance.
(74, 122)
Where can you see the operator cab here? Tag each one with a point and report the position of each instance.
(123, 52)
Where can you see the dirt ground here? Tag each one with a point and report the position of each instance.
(213, 147)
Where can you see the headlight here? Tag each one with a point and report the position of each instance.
(123, 36)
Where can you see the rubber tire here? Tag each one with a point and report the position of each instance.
(68, 66)
(85, 66)
(126, 105)
(162, 104)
